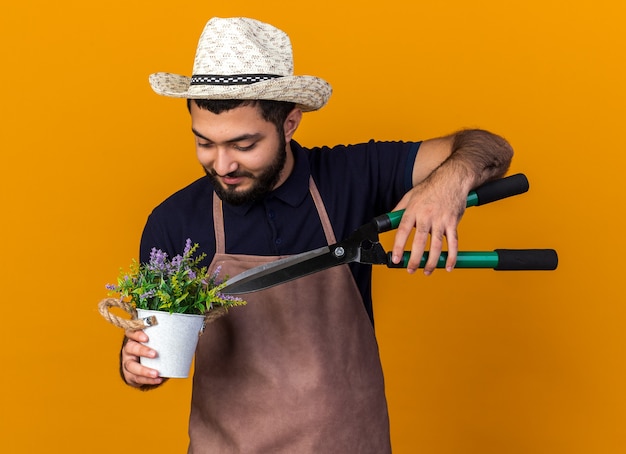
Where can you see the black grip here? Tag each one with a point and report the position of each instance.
(526, 259)
(502, 188)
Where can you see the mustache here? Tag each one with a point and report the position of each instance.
(235, 174)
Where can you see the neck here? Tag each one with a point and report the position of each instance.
(289, 164)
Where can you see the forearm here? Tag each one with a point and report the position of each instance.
(478, 156)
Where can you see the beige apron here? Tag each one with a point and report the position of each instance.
(295, 371)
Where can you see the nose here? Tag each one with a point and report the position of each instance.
(224, 162)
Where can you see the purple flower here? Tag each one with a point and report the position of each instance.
(177, 263)
(229, 297)
(158, 260)
(188, 246)
(148, 294)
(215, 275)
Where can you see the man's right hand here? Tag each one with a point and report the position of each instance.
(133, 373)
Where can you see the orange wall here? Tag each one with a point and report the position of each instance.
(476, 361)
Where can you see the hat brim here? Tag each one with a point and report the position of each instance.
(307, 92)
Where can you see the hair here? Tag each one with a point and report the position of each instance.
(273, 111)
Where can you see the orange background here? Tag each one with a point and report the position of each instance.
(476, 361)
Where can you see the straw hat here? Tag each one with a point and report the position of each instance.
(241, 58)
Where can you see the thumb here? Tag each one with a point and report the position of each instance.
(403, 203)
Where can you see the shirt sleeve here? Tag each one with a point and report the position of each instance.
(364, 180)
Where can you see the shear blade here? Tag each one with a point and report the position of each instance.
(281, 271)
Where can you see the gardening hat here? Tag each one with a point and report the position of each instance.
(241, 58)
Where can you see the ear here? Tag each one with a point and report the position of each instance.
(291, 123)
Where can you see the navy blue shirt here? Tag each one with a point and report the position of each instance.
(356, 183)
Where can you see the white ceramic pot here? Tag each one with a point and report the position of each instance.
(174, 338)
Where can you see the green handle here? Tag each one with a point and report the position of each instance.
(489, 192)
(499, 260)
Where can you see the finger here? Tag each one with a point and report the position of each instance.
(134, 372)
(402, 235)
(138, 350)
(436, 246)
(138, 374)
(453, 248)
(136, 335)
(420, 240)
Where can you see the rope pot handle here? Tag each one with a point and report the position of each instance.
(141, 323)
(133, 324)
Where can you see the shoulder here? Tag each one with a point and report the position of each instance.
(187, 198)
(363, 164)
(360, 156)
(185, 214)
(371, 146)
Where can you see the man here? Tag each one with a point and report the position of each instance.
(297, 369)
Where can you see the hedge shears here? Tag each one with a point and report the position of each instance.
(363, 246)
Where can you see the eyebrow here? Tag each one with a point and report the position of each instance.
(240, 138)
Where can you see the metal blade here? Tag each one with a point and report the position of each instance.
(284, 270)
(288, 269)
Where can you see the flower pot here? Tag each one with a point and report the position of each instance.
(174, 338)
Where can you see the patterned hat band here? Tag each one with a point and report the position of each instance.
(241, 79)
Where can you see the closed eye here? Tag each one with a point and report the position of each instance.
(235, 142)
(244, 148)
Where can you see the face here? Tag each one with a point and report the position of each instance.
(244, 155)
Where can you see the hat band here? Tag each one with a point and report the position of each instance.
(242, 79)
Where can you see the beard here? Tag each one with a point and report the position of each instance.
(262, 184)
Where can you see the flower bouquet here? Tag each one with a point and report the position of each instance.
(172, 297)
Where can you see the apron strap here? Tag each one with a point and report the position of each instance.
(321, 211)
(218, 219)
(218, 225)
